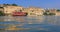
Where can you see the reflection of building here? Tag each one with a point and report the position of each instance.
(32, 11)
(10, 9)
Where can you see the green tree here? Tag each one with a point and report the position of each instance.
(2, 13)
(58, 10)
(6, 4)
(52, 14)
(48, 13)
(14, 5)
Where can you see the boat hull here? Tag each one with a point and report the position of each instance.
(19, 14)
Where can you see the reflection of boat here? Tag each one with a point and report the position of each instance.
(19, 14)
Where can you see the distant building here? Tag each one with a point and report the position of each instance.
(57, 13)
(1, 8)
(52, 10)
(33, 11)
(11, 9)
(1, 5)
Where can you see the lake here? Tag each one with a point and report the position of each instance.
(30, 23)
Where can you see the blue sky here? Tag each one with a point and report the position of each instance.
(35, 3)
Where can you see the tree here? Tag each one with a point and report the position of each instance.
(58, 10)
(52, 14)
(14, 5)
(6, 4)
(48, 13)
(2, 13)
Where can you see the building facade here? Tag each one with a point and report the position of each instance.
(33, 11)
(11, 9)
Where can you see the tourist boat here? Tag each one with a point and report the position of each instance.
(19, 14)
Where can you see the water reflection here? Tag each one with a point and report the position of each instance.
(24, 19)
(45, 23)
(54, 20)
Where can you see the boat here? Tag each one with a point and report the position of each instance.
(19, 14)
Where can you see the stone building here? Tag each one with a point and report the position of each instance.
(11, 9)
(1, 7)
(33, 11)
(52, 10)
(57, 13)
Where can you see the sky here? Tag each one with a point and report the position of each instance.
(34, 3)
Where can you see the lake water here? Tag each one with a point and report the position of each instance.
(31, 23)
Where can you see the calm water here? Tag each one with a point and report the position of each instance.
(31, 23)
